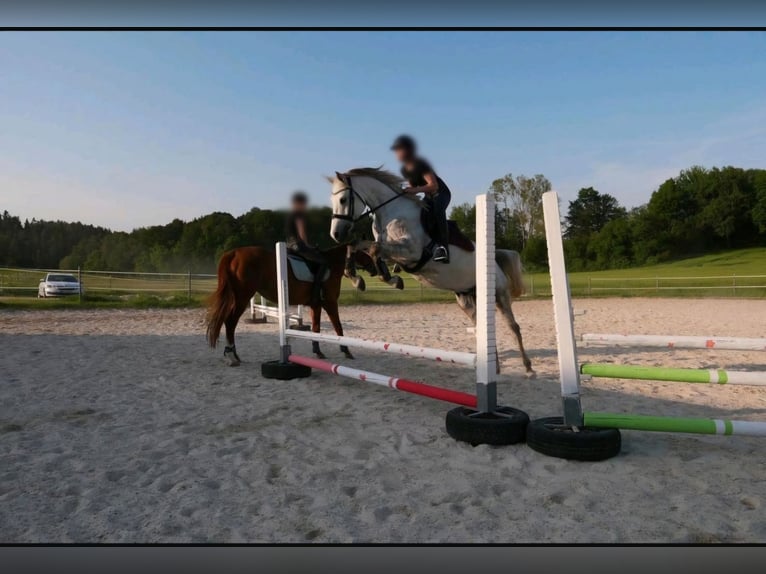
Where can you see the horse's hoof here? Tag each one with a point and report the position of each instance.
(531, 374)
(349, 355)
(397, 268)
(231, 356)
(320, 355)
(398, 283)
(361, 285)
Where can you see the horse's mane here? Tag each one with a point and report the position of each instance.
(391, 180)
(383, 176)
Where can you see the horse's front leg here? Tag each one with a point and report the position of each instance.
(398, 251)
(349, 271)
(386, 277)
(316, 314)
(332, 312)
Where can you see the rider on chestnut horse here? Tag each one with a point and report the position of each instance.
(296, 236)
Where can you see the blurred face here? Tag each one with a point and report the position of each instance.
(402, 154)
(299, 205)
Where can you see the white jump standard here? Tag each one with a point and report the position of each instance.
(595, 436)
(479, 420)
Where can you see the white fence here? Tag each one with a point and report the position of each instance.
(24, 282)
(734, 285)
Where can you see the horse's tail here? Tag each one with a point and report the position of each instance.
(223, 302)
(510, 263)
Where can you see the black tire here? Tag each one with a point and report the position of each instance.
(468, 425)
(550, 436)
(284, 371)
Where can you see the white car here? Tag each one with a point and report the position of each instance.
(58, 285)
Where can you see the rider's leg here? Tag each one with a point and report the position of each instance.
(441, 228)
(315, 256)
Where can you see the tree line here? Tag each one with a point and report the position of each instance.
(699, 211)
(175, 247)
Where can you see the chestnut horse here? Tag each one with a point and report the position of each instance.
(245, 271)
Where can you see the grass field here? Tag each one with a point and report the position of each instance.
(740, 273)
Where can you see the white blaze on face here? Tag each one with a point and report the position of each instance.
(341, 205)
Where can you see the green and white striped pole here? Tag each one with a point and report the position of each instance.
(710, 376)
(675, 424)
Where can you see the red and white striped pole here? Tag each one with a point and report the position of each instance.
(395, 383)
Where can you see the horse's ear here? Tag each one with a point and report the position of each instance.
(329, 178)
(340, 176)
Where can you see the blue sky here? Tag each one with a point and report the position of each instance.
(134, 129)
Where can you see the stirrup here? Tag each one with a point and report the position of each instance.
(441, 255)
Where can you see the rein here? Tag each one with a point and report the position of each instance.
(354, 194)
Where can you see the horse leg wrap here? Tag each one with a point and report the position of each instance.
(350, 268)
(383, 269)
(230, 353)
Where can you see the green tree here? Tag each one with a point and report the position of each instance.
(759, 207)
(520, 206)
(465, 217)
(590, 212)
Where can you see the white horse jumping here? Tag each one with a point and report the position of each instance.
(401, 238)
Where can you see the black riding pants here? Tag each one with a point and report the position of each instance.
(437, 204)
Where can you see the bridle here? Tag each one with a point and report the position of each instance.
(352, 196)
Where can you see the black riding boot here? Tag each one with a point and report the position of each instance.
(316, 289)
(439, 205)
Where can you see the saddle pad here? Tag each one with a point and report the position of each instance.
(302, 271)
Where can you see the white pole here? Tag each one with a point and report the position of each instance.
(283, 300)
(569, 371)
(456, 357)
(486, 352)
(677, 342)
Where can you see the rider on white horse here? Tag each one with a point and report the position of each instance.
(423, 179)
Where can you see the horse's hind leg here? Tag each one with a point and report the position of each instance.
(504, 305)
(230, 352)
(468, 304)
(332, 312)
(316, 315)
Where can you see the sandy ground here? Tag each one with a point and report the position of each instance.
(122, 426)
